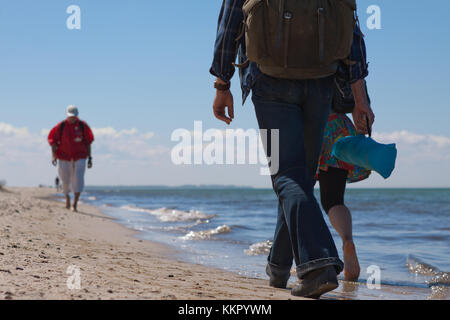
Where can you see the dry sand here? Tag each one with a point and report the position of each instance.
(40, 240)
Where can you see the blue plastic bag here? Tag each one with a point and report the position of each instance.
(367, 153)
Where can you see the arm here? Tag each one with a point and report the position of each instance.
(52, 140)
(54, 148)
(89, 165)
(355, 73)
(226, 46)
(89, 138)
(225, 52)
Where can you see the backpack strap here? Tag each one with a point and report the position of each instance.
(280, 22)
(81, 123)
(61, 129)
(242, 65)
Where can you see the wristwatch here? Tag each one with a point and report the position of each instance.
(221, 86)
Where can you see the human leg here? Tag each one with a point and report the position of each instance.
(65, 173)
(302, 231)
(78, 181)
(332, 189)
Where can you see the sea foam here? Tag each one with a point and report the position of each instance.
(260, 248)
(206, 234)
(172, 215)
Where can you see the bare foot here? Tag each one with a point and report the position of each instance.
(74, 209)
(68, 203)
(351, 264)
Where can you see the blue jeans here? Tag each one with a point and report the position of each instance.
(299, 109)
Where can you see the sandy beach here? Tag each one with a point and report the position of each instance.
(43, 247)
(42, 243)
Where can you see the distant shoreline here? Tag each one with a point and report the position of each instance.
(230, 187)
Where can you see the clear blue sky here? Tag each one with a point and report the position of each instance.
(144, 64)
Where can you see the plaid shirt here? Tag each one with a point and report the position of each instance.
(227, 48)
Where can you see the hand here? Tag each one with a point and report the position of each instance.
(54, 159)
(89, 164)
(361, 113)
(222, 101)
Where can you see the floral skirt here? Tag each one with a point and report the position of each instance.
(340, 126)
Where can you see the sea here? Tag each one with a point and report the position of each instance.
(402, 236)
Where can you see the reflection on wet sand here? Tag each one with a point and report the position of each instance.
(360, 291)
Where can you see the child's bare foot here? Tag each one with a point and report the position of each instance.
(67, 203)
(74, 208)
(351, 264)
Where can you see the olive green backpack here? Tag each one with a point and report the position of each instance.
(299, 39)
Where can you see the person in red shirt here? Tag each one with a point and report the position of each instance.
(71, 142)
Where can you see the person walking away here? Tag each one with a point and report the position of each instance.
(57, 184)
(71, 141)
(333, 174)
(291, 76)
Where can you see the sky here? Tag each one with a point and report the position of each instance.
(138, 71)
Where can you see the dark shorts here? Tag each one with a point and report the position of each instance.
(332, 187)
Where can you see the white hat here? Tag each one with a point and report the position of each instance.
(72, 111)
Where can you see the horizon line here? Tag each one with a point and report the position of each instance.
(219, 186)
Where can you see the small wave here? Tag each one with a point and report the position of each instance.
(206, 234)
(420, 268)
(184, 228)
(439, 281)
(172, 215)
(439, 286)
(136, 209)
(138, 228)
(92, 198)
(259, 248)
(439, 293)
